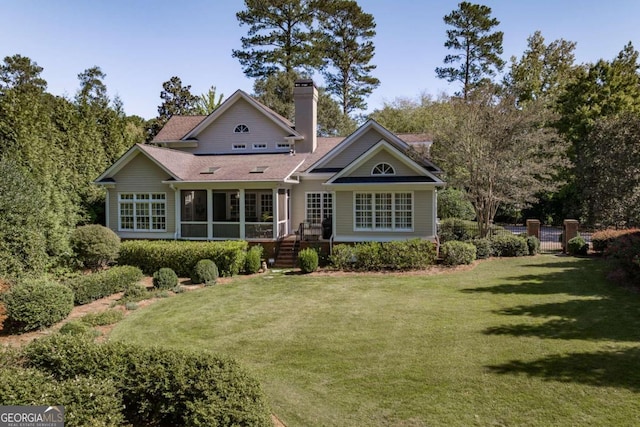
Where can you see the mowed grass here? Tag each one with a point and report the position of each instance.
(537, 341)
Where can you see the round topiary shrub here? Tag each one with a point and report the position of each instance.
(577, 246)
(252, 263)
(95, 246)
(509, 245)
(533, 244)
(308, 260)
(165, 278)
(483, 247)
(37, 304)
(457, 253)
(205, 271)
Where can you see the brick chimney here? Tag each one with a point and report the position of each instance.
(305, 97)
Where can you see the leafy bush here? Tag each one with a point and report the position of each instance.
(456, 229)
(457, 253)
(508, 245)
(76, 327)
(453, 203)
(373, 256)
(159, 386)
(343, 257)
(308, 260)
(624, 253)
(165, 278)
(134, 292)
(37, 304)
(108, 317)
(577, 246)
(130, 305)
(95, 246)
(90, 287)
(87, 401)
(483, 247)
(205, 271)
(533, 244)
(182, 256)
(600, 240)
(254, 260)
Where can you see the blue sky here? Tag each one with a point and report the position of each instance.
(139, 44)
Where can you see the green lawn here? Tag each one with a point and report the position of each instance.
(537, 341)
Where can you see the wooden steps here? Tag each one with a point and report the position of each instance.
(288, 253)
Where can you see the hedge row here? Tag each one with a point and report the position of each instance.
(158, 387)
(182, 256)
(600, 240)
(98, 285)
(457, 253)
(87, 401)
(457, 229)
(374, 256)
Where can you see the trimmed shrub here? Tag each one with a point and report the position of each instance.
(37, 304)
(533, 244)
(87, 401)
(600, 240)
(624, 253)
(159, 386)
(134, 292)
(205, 271)
(508, 245)
(108, 317)
(130, 305)
(165, 278)
(412, 254)
(308, 260)
(577, 246)
(343, 257)
(483, 248)
(76, 327)
(98, 285)
(95, 246)
(254, 259)
(456, 229)
(182, 256)
(457, 253)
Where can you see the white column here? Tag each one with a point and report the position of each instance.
(242, 215)
(176, 203)
(209, 214)
(275, 213)
(106, 211)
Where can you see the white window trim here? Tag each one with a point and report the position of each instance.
(393, 212)
(381, 165)
(238, 147)
(235, 129)
(323, 194)
(260, 146)
(134, 201)
(283, 146)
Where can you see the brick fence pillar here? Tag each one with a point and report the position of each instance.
(533, 228)
(570, 231)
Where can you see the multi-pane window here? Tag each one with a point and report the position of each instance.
(266, 203)
(383, 211)
(319, 207)
(251, 207)
(241, 128)
(383, 169)
(142, 211)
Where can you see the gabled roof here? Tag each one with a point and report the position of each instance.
(187, 167)
(403, 144)
(280, 121)
(423, 175)
(177, 127)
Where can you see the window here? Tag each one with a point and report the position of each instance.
(283, 145)
(142, 211)
(239, 146)
(241, 128)
(383, 169)
(383, 211)
(259, 146)
(194, 205)
(319, 207)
